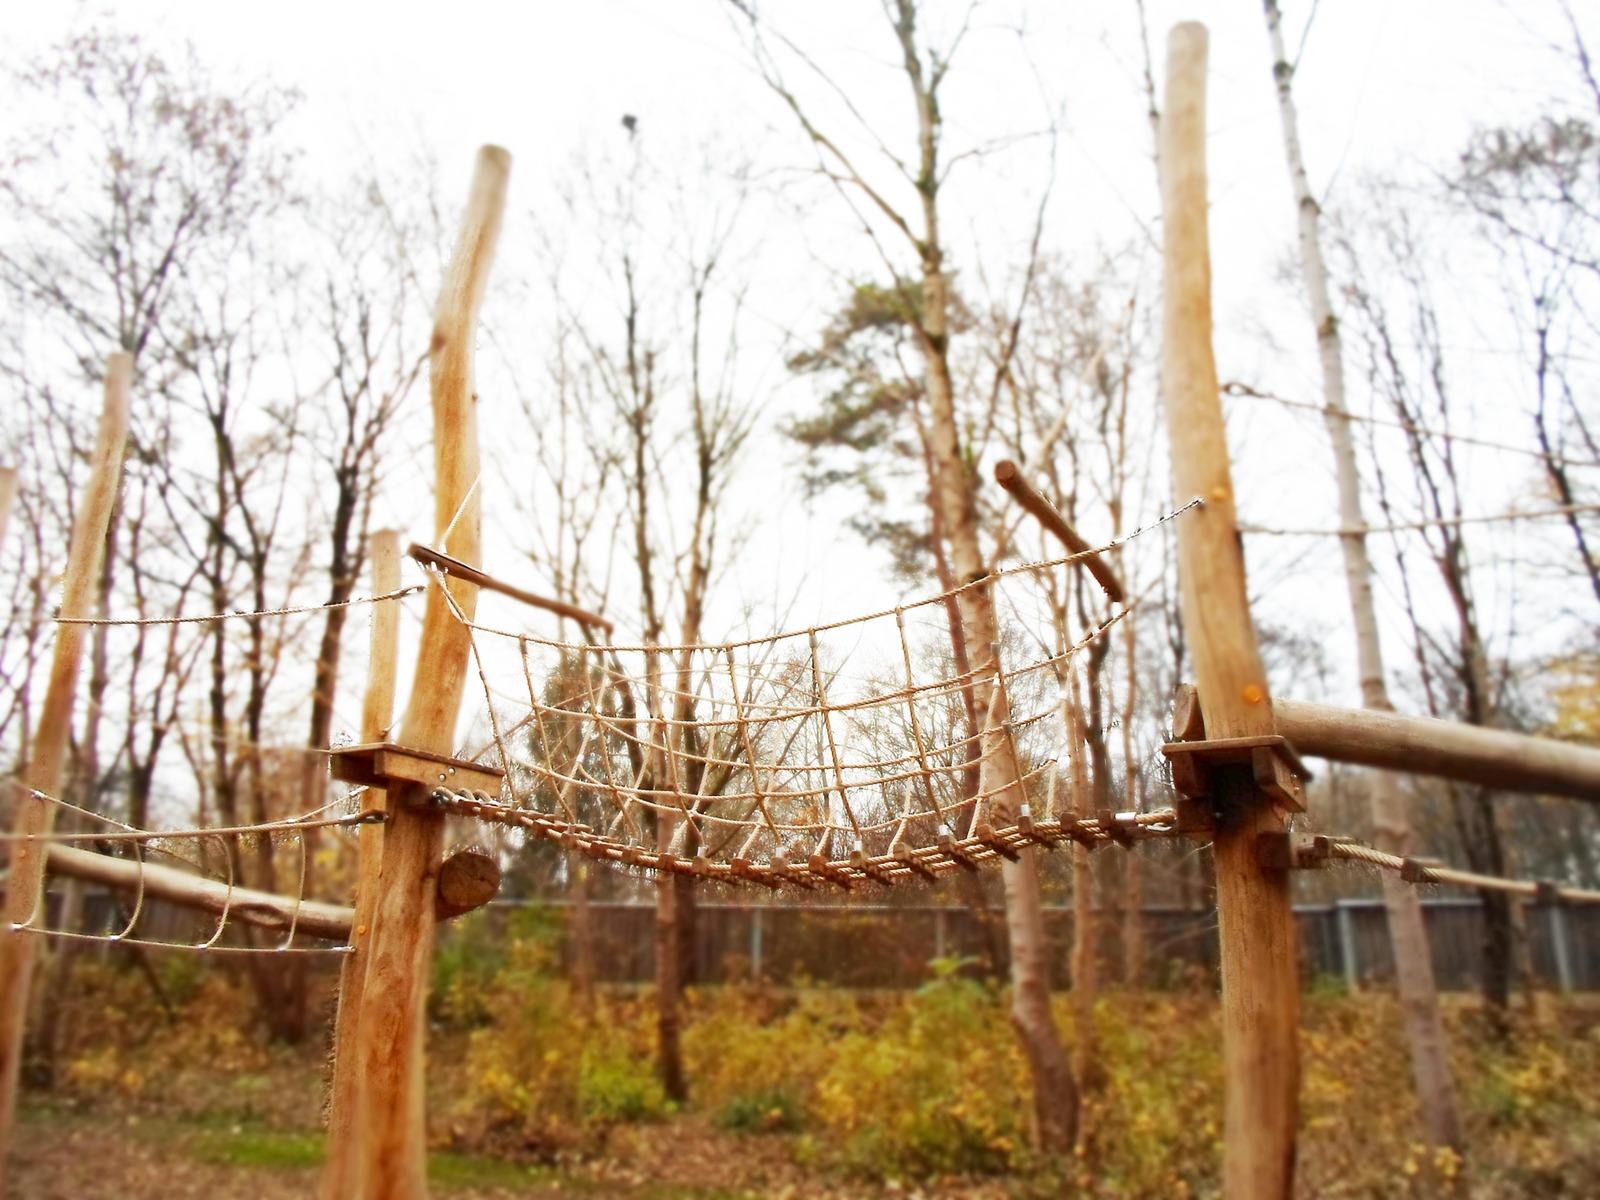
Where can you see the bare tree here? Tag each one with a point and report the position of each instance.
(1536, 191)
(652, 420)
(1419, 995)
(1406, 369)
(926, 295)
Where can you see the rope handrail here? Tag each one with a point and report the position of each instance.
(243, 615)
(1250, 393)
(1427, 871)
(129, 834)
(1564, 510)
(843, 622)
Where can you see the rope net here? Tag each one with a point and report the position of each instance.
(289, 922)
(762, 760)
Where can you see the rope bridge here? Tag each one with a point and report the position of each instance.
(756, 761)
(761, 761)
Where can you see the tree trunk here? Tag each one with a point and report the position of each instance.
(1085, 922)
(580, 932)
(1055, 1097)
(1419, 997)
(669, 976)
(1133, 862)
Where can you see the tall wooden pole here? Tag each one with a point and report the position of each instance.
(389, 1042)
(1260, 999)
(341, 1170)
(8, 495)
(25, 884)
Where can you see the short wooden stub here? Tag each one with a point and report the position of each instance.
(1285, 851)
(385, 764)
(468, 879)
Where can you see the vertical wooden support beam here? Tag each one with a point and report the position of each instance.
(340, 1171)
(8, 496)
(25, 883)
(1260, 997)
(389, 1043)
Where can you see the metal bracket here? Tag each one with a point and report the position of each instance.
(385, 764)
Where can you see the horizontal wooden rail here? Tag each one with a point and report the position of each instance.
(1425, 746)
(467, 880)
(267, 909)
(1009, 476)
(471, 574)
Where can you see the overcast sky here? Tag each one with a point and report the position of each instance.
(1382, 85)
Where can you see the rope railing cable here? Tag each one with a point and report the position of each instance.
(1564, 510)
(828, 626)
(1425, 871)
(242, 615)
(1249, 393)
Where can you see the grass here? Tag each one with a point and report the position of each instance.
(245, 1147)
(254, 1148)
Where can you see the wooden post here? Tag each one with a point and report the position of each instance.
(25, 884)
(389, 1041)
(340, 1170)
(8, 495)
(1260, 998)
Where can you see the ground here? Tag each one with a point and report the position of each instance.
(801, 1093)
(63, 1155)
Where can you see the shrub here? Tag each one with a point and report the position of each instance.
(760, 1112)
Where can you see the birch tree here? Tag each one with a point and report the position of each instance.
(1419, 996)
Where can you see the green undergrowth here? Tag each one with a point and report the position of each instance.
(861, 1089)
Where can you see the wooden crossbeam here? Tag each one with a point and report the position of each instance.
(466, 571)
(267, 910)
(386, 764)
(1009, 476)
(1425, 746)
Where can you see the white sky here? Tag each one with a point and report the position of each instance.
(1382, 83)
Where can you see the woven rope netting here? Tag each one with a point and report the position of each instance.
(837, 754)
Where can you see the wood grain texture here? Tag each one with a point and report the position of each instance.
(1427, 746)
(393, 1128)
(1260, 997)
(44, 772)
(341, 1170)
